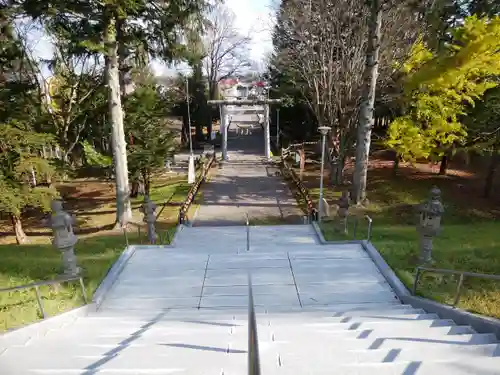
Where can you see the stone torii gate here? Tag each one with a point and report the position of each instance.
(224, 123)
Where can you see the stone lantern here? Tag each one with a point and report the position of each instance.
(429, 223)
(149, 210)
(64, 238)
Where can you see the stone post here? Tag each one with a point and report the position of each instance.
(224, 124)
(302, 163)
(64, 239)
(429, 223)
(343, 211)
(148, 208)
(325, 208)
(267, 133)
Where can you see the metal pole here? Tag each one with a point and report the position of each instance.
(84, 291)
(370, 223)
(248, 234)
(321, 178)
(40, 303)
(253, 342)
(267, 133)
(459, 289)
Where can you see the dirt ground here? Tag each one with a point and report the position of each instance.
(461, 185)
(92, 201)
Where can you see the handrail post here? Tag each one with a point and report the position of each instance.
(84, 292)
(370, 222)
(125, 234)
(415, 282)
(248, 233)
(40, 304)
(459, 289)
(355, 229)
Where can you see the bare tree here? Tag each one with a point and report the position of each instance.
(226, 49)
(323, 43)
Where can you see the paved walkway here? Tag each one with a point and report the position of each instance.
(245, 184)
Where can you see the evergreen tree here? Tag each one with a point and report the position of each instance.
(150, 139)
(115, 29)
(21, 164)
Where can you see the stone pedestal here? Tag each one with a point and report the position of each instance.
(64, 238)
(429, 223)
(149, 210)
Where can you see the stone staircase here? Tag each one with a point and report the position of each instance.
(321, 309)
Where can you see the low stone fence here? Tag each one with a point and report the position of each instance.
(194, 189)
(312, 212)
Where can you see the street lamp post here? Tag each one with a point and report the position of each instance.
(324, 131)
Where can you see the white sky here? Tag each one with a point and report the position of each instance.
(254, 18)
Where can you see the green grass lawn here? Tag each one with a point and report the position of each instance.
(30, 263)
(470, 237)
(95, 252)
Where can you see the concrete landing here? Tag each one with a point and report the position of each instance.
(217, 278)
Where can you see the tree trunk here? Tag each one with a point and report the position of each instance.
(17, 225)
(147, 182)
(490, 177)
(395, 166)
(135, 189)
(443, 167)
(123, 207)
(123, 67)
(367, 106)
(337, 171)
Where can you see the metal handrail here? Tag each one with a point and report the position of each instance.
(38, 284)
(253, 341)
(463, 274)
(370, 224)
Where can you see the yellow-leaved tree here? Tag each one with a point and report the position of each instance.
(438, 88)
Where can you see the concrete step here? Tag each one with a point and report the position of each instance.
(283, 319)
(475, 366)
(212, 359)
(336, 341)
(193, 326)
(288, 357)
(266, 333)
(214, 313)
(208, 315)
(198, 324)
(287, 354)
